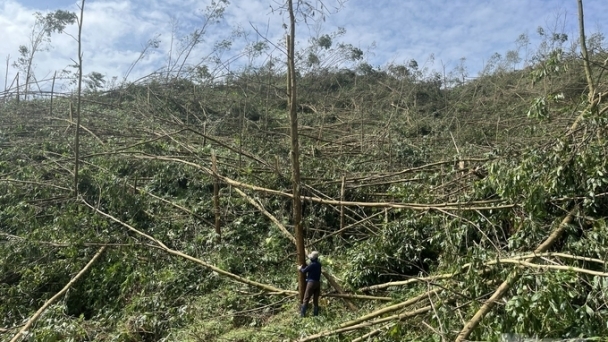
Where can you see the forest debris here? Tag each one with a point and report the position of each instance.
(162, 246)
(391, 308)
(511, 279)
(461, 206)
(401, 316)
(35, 317)
(287, 234)
(516, 259)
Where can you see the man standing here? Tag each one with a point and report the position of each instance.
(313, 284)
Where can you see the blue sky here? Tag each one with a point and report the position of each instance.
(436, 33)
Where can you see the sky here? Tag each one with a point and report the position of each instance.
(438, 34)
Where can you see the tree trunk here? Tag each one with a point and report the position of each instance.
(216, 199)
(77, 137)
(295, 149)
(17, 87)
(52, 92)
(581, 28)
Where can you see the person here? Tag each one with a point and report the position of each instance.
(313, 284)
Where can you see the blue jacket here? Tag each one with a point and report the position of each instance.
(313, 271)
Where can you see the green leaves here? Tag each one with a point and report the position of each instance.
(402, 248)
(55, 21)
(539, 109)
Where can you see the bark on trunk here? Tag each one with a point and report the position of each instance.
(295, 149)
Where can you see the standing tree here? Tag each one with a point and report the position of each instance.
(295, 148)
(39, 38)
(77, 137)
(583, 42)
(307, 9)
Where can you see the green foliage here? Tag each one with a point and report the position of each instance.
(40, 37)
(55, 21)
(402, 248)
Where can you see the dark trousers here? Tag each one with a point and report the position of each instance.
(313, 289)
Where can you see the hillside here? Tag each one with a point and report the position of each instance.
(422, 198)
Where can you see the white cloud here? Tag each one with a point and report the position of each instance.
(116, 31)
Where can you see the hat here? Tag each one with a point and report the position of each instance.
(313, 255)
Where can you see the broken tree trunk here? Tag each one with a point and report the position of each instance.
(285, 232)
